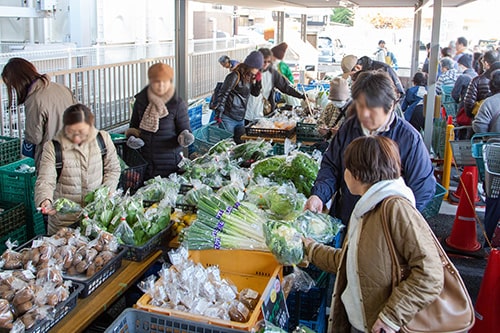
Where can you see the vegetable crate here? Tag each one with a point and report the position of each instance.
(308, 132)
(139, 253)
(92, 283)
(18, 235)
(18, 186)
(139, 321)
(12, 216)
(195, 116)
(432, 208)
(10, 150)
(269, 132)
(246, 269)
(61, 310)
(132, 176)
(279, 148)
(308, 309)
(207, 136)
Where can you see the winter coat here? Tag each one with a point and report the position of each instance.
(448, 78)
(413, 96)
(460, 87)
(412, 241)
(44, 108)
(161, 149)
(82, 172)
(479, 89)
(417, 172)
(233, 96)
(488, 117)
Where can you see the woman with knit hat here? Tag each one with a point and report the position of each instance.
(271, 80)
(161, 120)
(335, 111)
(278, 55)
(233, 96)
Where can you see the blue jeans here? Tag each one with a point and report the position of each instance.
(237, 127)
(491, 215)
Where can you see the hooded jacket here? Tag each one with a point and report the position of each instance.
(82, 172)
(417, 172)
(44, 108)
(371, 273)
(233, 96)
(488, 117)
(161, 149)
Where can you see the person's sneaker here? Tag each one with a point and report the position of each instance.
(134, 143)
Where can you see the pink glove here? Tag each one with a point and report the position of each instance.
(258, 76)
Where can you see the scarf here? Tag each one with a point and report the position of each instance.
(376, 193)
(155, 110)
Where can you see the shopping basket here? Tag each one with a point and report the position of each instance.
(477, 143)
(491, 156)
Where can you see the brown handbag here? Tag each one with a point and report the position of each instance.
(452, 311)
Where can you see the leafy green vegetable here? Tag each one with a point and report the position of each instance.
(222, 146)
(252, 150)
(193, 196)
(305, 169)
(284, 242)
(66, 206)
(284, 202)
(268, 166)
(321, 227)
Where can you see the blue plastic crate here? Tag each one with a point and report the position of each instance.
(195, 115)
(308, 87)
(308, 309)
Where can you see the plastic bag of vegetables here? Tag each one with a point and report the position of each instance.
(284, 202)
(284, 242)
(124, 233)
(66, 206)
(321, 227)
(192, 197)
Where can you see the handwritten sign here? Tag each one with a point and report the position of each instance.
(274, 305)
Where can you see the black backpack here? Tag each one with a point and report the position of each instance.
(214, 102)
(58, 153)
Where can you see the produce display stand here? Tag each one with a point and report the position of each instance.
(90, 308)
(245, 137)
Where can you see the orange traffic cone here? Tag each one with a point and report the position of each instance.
(454, 197)
(463, 238)
(488, 301)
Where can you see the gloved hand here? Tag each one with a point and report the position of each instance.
(258, 77)
(133, 132)
(218, 118)
(135, 143)
(186, 138)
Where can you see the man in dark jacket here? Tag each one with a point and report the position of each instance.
(161, 120)
(460, 87)
(479, 86)
(374, 98)
(366, 64)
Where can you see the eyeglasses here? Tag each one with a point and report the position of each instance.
(268, 62)
(73, 134)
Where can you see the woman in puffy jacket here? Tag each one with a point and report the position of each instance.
(233, 96)
(84, 168)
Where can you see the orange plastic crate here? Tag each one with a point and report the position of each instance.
(246, 269)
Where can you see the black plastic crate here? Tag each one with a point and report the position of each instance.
(92, 283)
(308, 132)
(61, 310)
(12, 216)
(139, 253)
(131, 177)
(269, 132)
(139, 321)
(19, 235)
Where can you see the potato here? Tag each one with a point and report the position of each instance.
(91, 270)
(52, 299)
(72, 271)
(81, 267)
(22, 308)
(99, 261)
(23, 296)
(6, 315)
(29, 319)
(12, 259)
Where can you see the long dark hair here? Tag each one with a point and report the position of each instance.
(18, 75)
(245, 72)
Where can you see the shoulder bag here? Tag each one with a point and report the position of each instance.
(452, 311)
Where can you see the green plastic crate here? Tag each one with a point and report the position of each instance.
(11, 217)
(18, 235)
(18, 186)
(36, 226)
(10, 150)
(432, 208)
(208, 136)
(308, 132)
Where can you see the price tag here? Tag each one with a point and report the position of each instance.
(274, 305)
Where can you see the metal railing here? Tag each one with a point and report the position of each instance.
(109, 89)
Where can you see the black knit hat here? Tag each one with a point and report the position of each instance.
(465, 60)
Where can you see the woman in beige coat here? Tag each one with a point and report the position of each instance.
(363, 298)
(83, 167)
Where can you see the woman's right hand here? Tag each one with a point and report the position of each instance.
(47, 208)
(314, 204)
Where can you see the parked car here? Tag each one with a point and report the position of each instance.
(330, 50)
